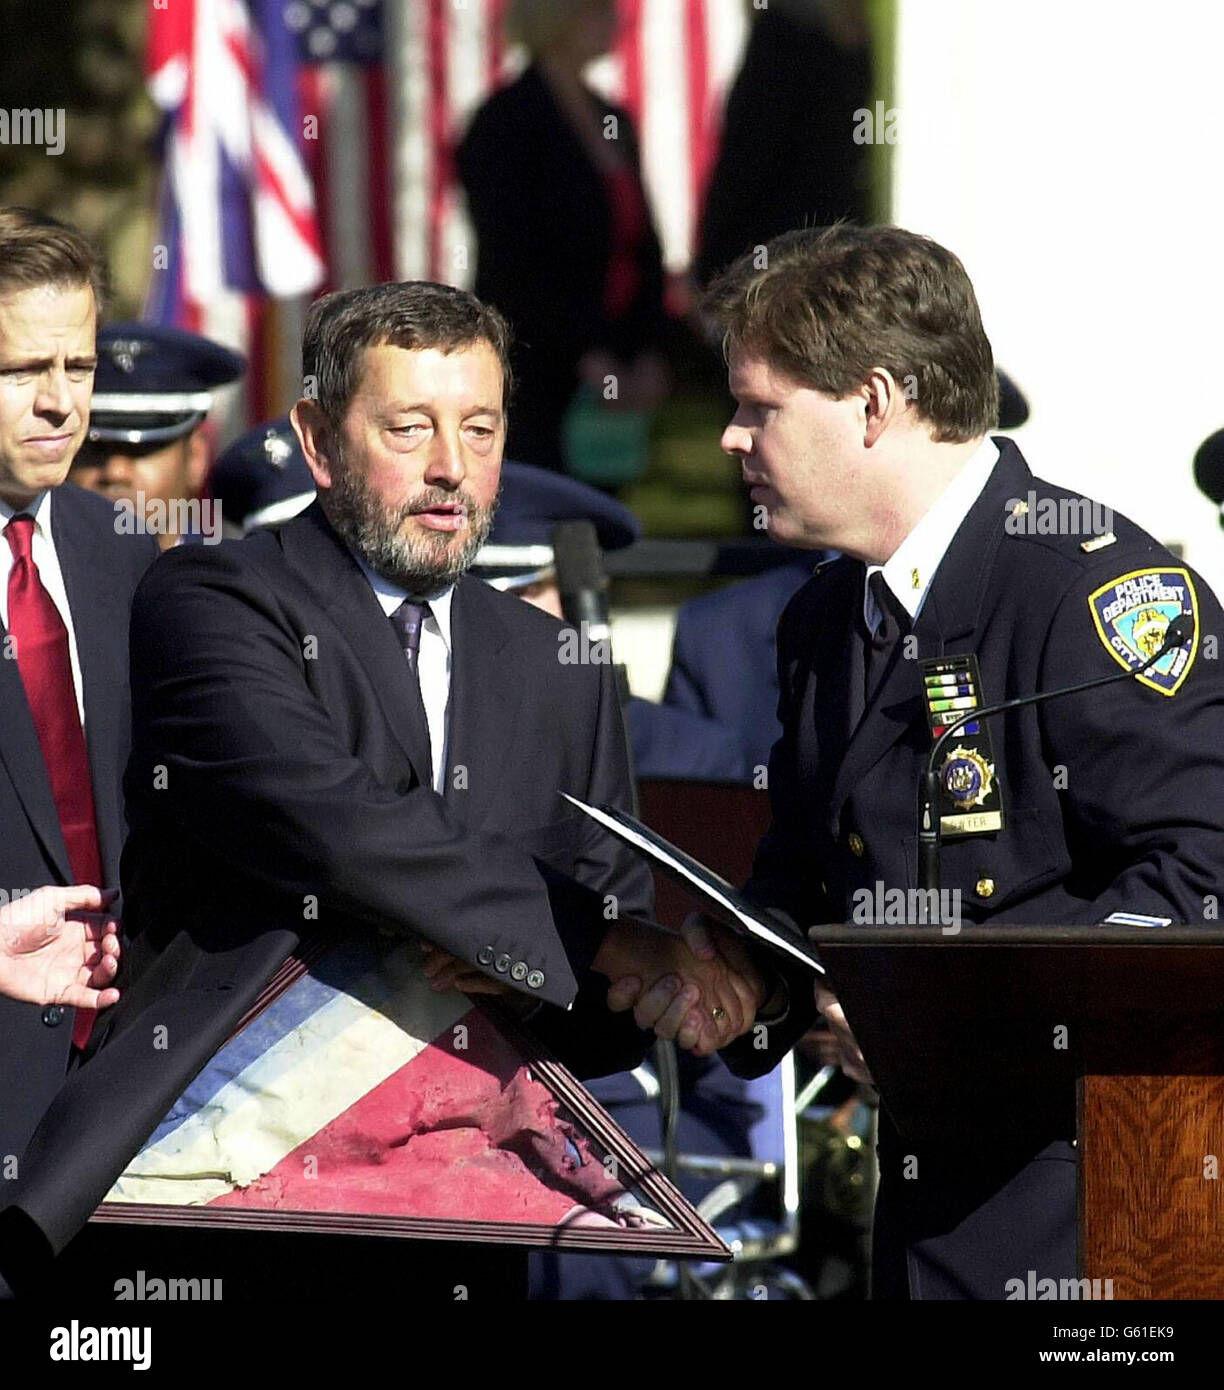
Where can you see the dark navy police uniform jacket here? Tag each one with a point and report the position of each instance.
(1114, 802)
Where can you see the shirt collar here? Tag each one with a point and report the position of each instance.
(40, 510)
(909, 572)
(390, 596)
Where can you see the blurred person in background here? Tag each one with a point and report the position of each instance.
(147, 445)
(566, 246)
(788, 158)
(262, 478)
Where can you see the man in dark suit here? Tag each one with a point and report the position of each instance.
(334, 729)
(866, 392)
(66, 583)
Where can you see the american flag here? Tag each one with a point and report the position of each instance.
(276, 108)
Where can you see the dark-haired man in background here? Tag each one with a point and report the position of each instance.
(332, 711)
(866, 392)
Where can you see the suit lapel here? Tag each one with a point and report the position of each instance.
(948, 617)
(22, 756)
(325, 565)
(487, 682)
(97, 617)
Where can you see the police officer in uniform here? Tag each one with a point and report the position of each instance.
(262, 478)
(147, 445)
(866, 395)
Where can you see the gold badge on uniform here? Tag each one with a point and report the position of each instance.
(971, 800)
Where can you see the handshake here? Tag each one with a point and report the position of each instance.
(701, 989)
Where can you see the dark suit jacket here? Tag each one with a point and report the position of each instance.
(1114, 802)
(101, 571)
(279, 784)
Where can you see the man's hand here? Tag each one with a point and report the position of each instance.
(701, 989)
(447, 972)
(60, 946)
(849, 1058)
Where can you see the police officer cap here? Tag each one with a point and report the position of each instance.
(533, 501)
(153, 384)
(262, 476)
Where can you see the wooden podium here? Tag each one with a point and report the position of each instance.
(1112, 1034)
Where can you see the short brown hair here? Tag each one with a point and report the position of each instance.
(38, 250)
(826, 305)
(410, 314)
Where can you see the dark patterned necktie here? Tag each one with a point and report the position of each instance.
(881, 645)
(408, 619)
(45, 664)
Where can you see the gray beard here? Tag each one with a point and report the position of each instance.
(425, 566)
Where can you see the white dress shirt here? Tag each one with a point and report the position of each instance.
(909, 572)
(46, 561)
(433, 662)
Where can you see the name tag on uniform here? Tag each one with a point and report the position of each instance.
(970, 798)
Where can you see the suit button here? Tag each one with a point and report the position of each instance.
(485, 956)
(501, 964)
(53, 1016)
(855, 842)
(518, 971)
(535, 979)
(984, 887)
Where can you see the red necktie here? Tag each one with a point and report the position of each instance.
(43, 659)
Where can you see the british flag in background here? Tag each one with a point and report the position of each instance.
(307, 146)
(238, 206)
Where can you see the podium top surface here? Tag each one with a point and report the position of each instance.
(987, 1029)
(1017, 934)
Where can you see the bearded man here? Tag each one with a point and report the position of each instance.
(335, 729)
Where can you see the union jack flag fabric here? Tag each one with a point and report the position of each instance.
(238, 205)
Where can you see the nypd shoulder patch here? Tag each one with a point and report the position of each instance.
(1131, 614)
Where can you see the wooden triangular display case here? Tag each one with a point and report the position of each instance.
(354, 1099)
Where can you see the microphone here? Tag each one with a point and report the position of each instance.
(1209, 469)
(581, 578)
(583, 583)
(1177, 634)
